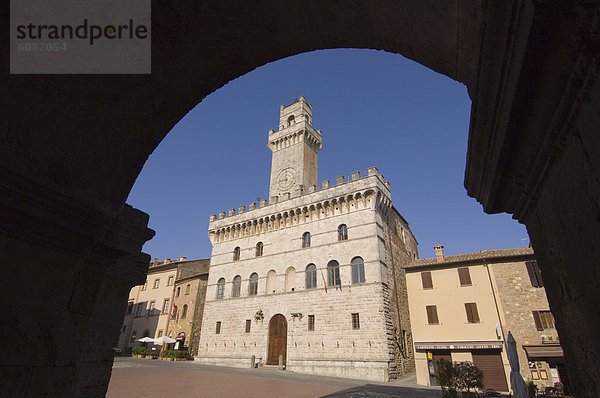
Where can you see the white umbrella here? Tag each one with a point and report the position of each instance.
(164, 340)
(146, 340)
(516, 380)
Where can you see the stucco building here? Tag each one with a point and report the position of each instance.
(152, 308)
(463, 306)
(313, 275)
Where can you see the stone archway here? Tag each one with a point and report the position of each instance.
(72, 147)
(277, 344)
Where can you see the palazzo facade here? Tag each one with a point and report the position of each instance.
(312, 278)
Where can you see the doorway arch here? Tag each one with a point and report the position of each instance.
(277, 344)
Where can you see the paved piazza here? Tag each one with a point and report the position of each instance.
(134, 377)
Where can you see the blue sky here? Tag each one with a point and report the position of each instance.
(374, 109)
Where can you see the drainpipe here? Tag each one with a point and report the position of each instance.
(486, 265)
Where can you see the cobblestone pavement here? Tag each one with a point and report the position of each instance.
(134, 377)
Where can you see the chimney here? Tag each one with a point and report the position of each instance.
(439, 252)
(182, 258)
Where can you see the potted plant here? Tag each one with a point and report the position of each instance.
(532, 388)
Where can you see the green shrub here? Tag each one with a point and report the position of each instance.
(182, 354)
(141, 351)
(532, 388)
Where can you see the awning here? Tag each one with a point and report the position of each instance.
(544, 351)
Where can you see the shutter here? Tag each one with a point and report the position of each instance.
(464, 276)
(537, 319)
(532, 273)
(538, 273)
(426, 279)
(474, 312)
(490, 364)
(469, 313)
(432, 316)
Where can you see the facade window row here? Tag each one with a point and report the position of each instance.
(333, 279)
(156, 284)
(342, 233)
(355, 322)
(464, 278)
(470, 311)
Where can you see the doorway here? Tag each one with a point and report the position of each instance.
(277, 339)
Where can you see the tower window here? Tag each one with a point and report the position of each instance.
(259, 249)
(218, 328)
(253, 287)
(221, 288)
(248, 325)
(343, 232)
(358, 270)
(184, 311)
(355, 321)
(237, 286)
(236, 254)
(311, 322)
(311, 276)
(333, 272)
(306, 239)
(290, 120)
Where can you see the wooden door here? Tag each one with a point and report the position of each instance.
(490, 363)
(277, 339)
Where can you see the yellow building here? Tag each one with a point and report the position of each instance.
(150, 309)
(462, 308)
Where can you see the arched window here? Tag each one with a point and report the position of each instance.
(178, 291)
(358, 270)
(184, 311)
(259, 249)
(306, 239)
(253, 287)
(311, 276)
(221, 288)
(290, 279)
(343, 232)
(187, 289)
(271, 282)
(237, 286)
(290, 120)
(236, 254)
(333, 272)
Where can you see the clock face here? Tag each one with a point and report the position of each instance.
(286, 179)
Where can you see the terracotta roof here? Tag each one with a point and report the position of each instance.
(484, 254)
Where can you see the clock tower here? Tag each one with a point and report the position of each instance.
(295, 147)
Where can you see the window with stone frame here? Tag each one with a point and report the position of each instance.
(178, 291)
(218, 328)
(170, 282)
(248, 325)
(306, 239)
(358, 270)
(333, 273)
(432, 315)
(237, 286)
(236, 253)
(160, 332)
(472, 313)
(311, 323)
(311, 276)
(151, 308)
(543, 320)
(145, 285)
(253, 285)
(355, 321)
(220, 288)
(166, 306)
(342, 232)
(156, 283)
(259, 249)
